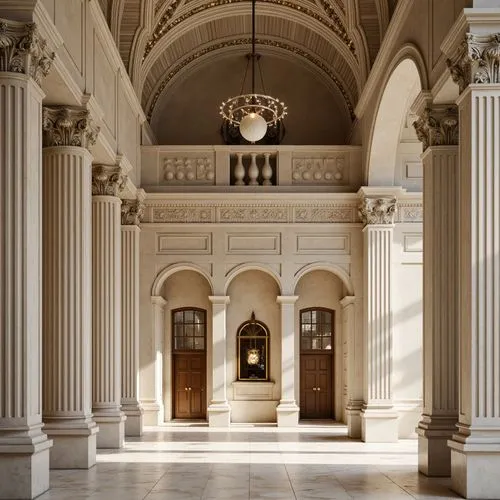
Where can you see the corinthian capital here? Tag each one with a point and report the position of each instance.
(377, 210)
(22, 50)
(476, 60)
(68, 126)
(133, 211)
(438, 126)
(107, 180)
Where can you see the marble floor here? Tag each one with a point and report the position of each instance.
(181, 462)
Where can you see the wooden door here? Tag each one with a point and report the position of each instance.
(316, 386)
(189, 371)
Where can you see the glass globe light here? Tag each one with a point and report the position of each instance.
(253, 127)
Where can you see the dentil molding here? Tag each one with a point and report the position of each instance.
(68, 126)
(22, 50)
(476, 60)
(377, 210)
(107, 180)
(438, 126)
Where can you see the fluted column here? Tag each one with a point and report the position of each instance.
(67, 299)
(107, 181)
(475, 447)
(379, 420)
(219, 411)
(438, 130)
(287, 410)
(24, 448)
(132, 212)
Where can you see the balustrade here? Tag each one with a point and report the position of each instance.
(253, 169)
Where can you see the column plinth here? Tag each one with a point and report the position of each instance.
(24, 447)
(287, 411)
(219, 411)
(106, 306)
(67, 295)
(131, 211)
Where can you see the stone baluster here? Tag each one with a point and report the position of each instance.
(24, 448)
(107, 181)
(253, 170)
(267, 171)
(239, 170)
(67, 294)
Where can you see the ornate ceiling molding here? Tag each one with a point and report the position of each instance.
(166, 22)
(246, 41)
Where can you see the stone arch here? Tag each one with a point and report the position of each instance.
(163, 275)
(252, 266)
(326, 266)
(406, 77)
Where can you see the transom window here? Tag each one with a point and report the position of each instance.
(189, 329)
(316, 329)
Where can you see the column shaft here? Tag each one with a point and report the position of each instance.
(130, 330)
(157, 408)
(106, 324)
(24, 448)
(67, 388)
(288, 411)
(219, 411)
(440, 309)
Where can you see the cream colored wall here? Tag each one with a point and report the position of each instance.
(184, 289)
(322, 289)
(254, 291)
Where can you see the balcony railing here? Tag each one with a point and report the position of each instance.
(251, 168)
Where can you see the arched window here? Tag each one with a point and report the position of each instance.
(189, 329)
(316, 329)
(253, 350)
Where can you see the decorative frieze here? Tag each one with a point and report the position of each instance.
(254, 214)
(410, 212)
(107, 180)
(377, 210)
(22, 50)
(319, 171)
(324, 214)
(183, 214)
(476, 60)
(186, 170)
(68, 126)
(438, 126)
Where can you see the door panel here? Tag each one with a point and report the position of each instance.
(190, 385)
(316, 386)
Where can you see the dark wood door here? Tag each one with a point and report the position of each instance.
(316, 386)
(189, 385)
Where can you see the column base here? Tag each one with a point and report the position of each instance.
(111, 430)
(133, 424)
(475, 467)
(379, 425)
(287, 413)
(219, 414)
(353, 417)
(434, 455)
(152, 413)
(74, 447)
(24, 467)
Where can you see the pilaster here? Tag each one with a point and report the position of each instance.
(379, 420)
(107, 181)
(131, 213)
(475, 448)
(219, 411)
(438, 130)
(287, 410)
(67, 296)
(24, 448)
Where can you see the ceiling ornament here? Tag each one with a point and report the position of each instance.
(165, 24)
(245, 41)
(252, 114)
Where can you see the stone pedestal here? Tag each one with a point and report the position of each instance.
(24, 448)
(287, 410)
(475, 448)
(379, 420)
(106, 306)
(438, 130)
(67, 296)
(132, 211)
(219, 411)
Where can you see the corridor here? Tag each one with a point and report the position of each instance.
(195, 462)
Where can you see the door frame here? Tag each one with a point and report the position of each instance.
(326, 352)
(174, 352)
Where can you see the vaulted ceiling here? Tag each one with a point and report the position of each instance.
(163, 41)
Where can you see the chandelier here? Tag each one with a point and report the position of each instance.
(253, 113)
